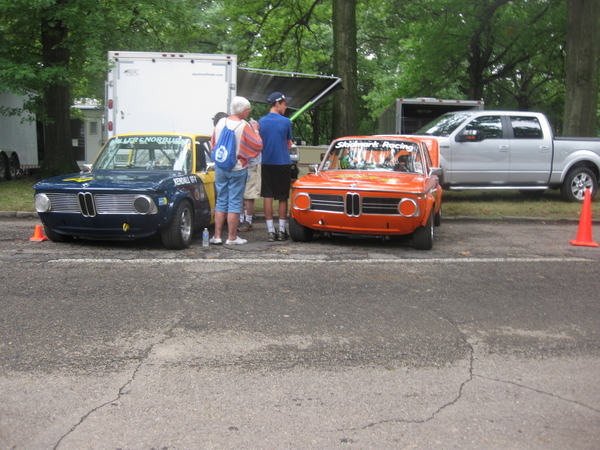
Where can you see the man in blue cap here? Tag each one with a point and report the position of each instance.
(276, 134)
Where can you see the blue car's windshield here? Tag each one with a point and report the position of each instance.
(443, 125)
(145, 152)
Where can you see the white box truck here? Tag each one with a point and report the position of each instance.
(407, 115)
(161, 92)
(18, 138)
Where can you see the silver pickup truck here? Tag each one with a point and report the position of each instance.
(513, 150)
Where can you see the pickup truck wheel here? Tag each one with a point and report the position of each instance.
(178, 234)
(576, 182)
(300, 233)
(423, 236)
(56, 237)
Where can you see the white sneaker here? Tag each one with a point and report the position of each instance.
(215, 240)
(237, 241)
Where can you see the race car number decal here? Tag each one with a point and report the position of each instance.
(192, 179)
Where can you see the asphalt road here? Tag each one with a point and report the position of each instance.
(489, 341)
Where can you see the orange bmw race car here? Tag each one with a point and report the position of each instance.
(371, 185)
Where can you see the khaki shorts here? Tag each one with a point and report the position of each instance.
(252, 191)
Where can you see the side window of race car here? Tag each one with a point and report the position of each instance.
(203, 158)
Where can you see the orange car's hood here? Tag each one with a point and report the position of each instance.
(349, 179)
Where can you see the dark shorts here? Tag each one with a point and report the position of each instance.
(276, 181)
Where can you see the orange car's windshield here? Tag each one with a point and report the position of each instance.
(378, 155)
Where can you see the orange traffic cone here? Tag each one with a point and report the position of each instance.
(584, 234)
(38, 234)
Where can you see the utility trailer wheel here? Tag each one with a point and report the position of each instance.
(13, 167)
(3, 168)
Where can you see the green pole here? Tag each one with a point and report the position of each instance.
(301, 110)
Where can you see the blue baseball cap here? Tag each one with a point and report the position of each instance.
(277, 97)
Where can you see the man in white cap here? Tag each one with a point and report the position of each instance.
(276, 133)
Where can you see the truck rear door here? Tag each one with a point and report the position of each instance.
(530, 151)
(485, 161)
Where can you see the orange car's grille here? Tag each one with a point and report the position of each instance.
(380, 205)
(354, 205)
(327, 202)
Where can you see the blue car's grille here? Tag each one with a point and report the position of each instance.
(114, 204)
(89, 204)
(65, 203)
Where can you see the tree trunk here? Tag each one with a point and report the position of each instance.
(345, 66)
(583, 56)
(58, 147)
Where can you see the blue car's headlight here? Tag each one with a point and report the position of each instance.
(144, 204)
(42, 203)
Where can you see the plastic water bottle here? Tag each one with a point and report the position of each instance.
(205, 238)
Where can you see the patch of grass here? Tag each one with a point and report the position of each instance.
(17, 195)
(498, 204)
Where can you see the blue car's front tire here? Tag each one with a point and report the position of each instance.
(180, 231)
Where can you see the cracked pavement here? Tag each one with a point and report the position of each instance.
(333, 345)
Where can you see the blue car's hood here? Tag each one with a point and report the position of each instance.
(116, 179)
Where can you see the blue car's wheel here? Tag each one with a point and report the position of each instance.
(178, 234)
(56, 237)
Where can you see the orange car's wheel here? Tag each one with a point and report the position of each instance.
(423, 236)
(437, 219)
(300, 233)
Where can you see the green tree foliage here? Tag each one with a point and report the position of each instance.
(56, 50)
(508, 52)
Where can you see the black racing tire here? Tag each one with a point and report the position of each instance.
(576, 182)
(300, 233)
(423, 236)
(13, 167)
(179, 232)
(437, 219)
(56, 237)
(3, 168)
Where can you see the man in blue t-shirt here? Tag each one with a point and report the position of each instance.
(276, 134)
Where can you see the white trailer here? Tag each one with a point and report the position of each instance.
(18, 138)
(407, 115)
(161, 92)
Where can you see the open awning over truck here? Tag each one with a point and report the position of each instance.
(306, 90)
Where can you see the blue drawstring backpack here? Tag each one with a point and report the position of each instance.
(224, 154)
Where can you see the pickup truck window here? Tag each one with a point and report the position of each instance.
(489, 127)
(443, 125)
(526, 127)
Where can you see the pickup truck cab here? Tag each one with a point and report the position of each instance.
(513, 150)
